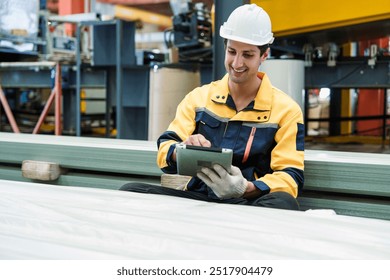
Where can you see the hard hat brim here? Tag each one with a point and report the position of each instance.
(223, 34)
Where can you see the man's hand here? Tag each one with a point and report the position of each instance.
(197, 140)
(225, 185)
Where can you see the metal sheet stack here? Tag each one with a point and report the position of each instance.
(87, 162)
(354, 184)
(351, 183)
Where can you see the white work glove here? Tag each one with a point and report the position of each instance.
(224, 184)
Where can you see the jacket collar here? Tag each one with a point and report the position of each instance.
(219, 92)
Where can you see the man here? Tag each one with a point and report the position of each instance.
(243, 112)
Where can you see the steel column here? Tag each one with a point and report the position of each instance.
(223, 9)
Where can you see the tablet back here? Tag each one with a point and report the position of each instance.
(190, 159)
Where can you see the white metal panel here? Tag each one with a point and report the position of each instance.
(54, 222)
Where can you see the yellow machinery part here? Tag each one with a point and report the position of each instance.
(134, 14)
(346, 111)
(83, 102)
(290, 17)
(346, 98)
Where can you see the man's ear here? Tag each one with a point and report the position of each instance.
(265, 55)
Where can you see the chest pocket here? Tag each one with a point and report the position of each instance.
(210, 127)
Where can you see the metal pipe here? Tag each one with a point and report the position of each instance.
(8, 112)
(58, 97)
(45, 111)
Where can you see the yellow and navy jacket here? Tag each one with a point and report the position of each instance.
(267, 137)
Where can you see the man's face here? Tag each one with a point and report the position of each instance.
(242, 61)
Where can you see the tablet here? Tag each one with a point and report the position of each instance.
(190, 159)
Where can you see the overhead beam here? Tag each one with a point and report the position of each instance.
(348, 74)
(134, 2)
(134, 14)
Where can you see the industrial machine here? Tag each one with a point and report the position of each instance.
(191, 31)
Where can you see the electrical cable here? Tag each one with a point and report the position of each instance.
(359, 67)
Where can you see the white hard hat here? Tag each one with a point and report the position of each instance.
(248, 24)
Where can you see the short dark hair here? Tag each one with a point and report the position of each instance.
(262, 48)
